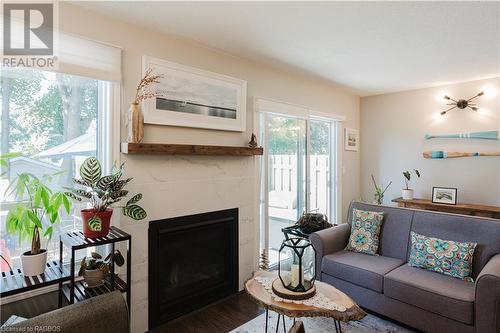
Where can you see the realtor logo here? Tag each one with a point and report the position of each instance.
(28, 34)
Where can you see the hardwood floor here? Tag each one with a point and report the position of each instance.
(220, 317)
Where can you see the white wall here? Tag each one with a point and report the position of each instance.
(392, 140)
(182, 185)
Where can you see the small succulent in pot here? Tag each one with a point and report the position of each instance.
(101, 192)
(95, 269)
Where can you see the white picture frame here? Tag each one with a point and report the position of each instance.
(351, 139)
(193, 97)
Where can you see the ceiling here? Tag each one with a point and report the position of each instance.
(371, 47)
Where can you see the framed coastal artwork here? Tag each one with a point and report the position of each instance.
(192, 97)
(351, 139)
(444, 195)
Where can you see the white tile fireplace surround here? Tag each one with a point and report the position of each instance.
(184, 185)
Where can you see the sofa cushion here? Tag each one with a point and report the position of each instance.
(395, 232)
(365, 231)
(434, 292)
(484, 232)
(358, 268)
(442, 256)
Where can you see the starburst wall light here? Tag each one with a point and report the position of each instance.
(461, 103)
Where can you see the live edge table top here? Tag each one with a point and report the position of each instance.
(290, 309)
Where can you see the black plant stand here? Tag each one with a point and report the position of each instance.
(14, 282)
(75, 291)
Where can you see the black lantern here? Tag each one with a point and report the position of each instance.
(297, 264)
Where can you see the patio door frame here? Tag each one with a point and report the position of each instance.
(267, 108)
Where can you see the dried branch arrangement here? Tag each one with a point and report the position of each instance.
(143, 91)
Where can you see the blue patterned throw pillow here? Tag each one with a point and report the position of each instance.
(442, 256)
(365, 231)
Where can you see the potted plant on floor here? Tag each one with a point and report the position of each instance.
(94, 269)
(36, 212)
(102, 192)
(407, 192)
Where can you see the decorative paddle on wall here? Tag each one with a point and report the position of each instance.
(439, 154)
(486, 135)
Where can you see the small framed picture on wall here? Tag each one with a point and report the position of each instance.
(444, 195)
(351, 139)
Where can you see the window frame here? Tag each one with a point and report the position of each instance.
(108, 152)
(265, 107)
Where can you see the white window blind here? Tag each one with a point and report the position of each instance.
(77, 55)
(84, 57)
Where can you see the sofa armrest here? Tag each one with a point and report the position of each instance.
(329, 241)
(487, 300)
(105, 313)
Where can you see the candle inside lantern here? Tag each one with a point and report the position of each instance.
(296, 277)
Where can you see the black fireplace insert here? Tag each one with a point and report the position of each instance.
(193, 261)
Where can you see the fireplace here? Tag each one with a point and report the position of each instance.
(193, 261)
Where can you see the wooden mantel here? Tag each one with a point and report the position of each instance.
(178, 149)
(464, 209)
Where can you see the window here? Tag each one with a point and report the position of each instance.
(55, 121)
(298, 173)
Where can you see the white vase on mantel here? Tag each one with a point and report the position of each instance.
(407, 194)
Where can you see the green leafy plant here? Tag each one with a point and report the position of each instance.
(96, 262)
(379, 192)
(407, 175)
(103, 191)
(37, 211)
(4, 158)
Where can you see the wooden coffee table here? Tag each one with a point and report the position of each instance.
(294, 310)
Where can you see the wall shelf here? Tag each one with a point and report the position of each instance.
(464, 209)
(179, 149)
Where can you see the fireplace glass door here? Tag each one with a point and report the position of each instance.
(193, 261)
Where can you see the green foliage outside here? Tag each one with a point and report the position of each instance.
(41, 110)
(284, 136)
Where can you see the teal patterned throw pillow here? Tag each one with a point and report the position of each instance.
(365, 231)
(443, 256)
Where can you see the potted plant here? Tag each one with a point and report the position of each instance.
(311, 222)
(36, 213)
(407, 192)
(94, 269)
(102, 192)
(379, 192)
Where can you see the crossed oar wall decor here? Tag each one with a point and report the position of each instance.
(439, 154)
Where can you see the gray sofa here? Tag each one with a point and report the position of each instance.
(105, 313)
(425, 300)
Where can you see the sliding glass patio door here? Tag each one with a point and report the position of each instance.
(296, 173)
(286, 167)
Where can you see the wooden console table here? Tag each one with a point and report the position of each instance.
(464, 209)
